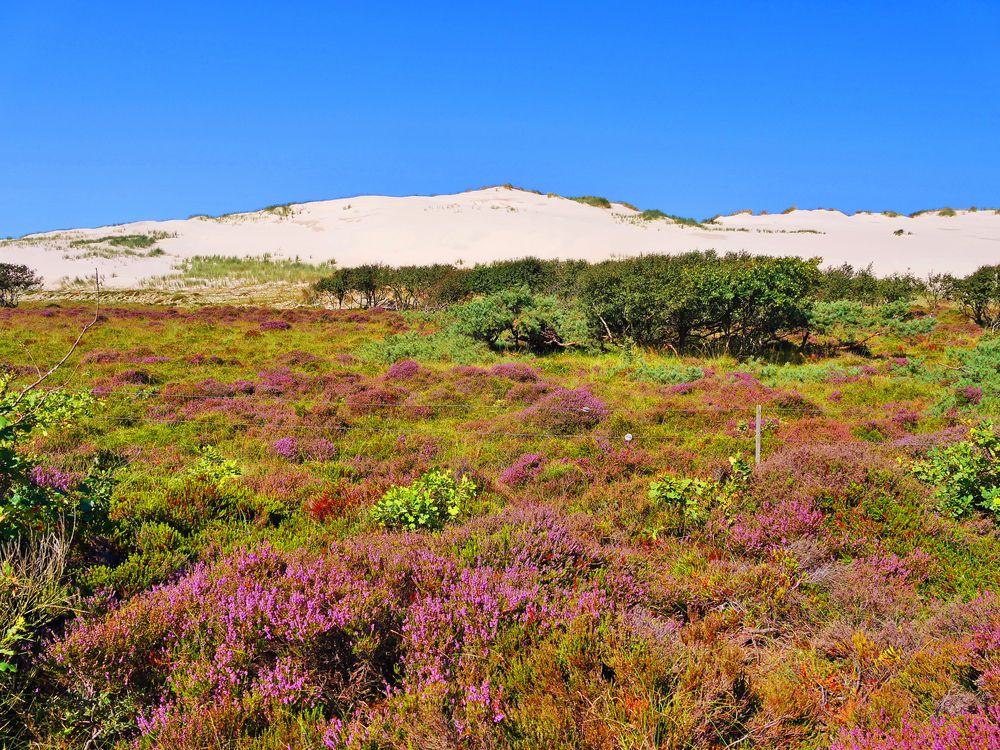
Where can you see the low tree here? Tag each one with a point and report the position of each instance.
(337, 285)
(517, 318)
(978, 294)
(862, 285)
(937, 288)
(15, 280)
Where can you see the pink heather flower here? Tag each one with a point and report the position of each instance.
(971, 731)
(321, 449)
(286, 447)
(275, 325)
(403, 370)
(516, 371)
(565, 410)
(969, 395)
(525, 468)
(53, 479)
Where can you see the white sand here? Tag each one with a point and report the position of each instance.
(494, 223)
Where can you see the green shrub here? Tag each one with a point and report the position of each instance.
(852, 324)
(27, 500)
(518, 318)
(967, 474)
(862, 285)
(667, 374)
(978, 378)
(738, 303)
(688, 497)
(445, 346)
(429, 503)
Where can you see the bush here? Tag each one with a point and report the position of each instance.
(448, 345)
(518, 318)
(978, 379)
(862, 285)
(689, 498)
(673, 374)
(32, 496)
(429, 503)
(851, 324)
(739, 303)
(967, 473)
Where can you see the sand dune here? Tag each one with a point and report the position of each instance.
(493, 223)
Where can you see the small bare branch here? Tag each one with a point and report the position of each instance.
(52, 370)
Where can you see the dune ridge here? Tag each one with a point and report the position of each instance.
(503, 222)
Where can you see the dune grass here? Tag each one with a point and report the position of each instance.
(219, 270)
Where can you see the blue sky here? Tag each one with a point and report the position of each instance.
(116, 111)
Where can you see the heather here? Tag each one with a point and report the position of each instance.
(364, 528)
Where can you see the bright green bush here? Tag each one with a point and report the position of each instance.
(735, 303)
(689, 497)
(442, 346)
(517, 318)
(862, 285)
(852, 324)
(674, 374)
(429, 503)
(28, 499)
(967, 474)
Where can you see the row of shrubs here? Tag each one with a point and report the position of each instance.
(736, 303)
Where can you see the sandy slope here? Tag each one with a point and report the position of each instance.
(494, 223)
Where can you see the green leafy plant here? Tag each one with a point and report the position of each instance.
(517, 318)
(25, 502)
(967, 474)
(429, 503)
(689, 498)
(852, 325)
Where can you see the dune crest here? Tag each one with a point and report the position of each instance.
(501, 222)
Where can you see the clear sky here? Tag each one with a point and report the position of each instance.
(115, 111)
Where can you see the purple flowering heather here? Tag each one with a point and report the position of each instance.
(969, 395)
(286, 447)
(525, 468)
(53, 479)
(517, 371)
(320, 449)
(403, 370)
(275, 325)
(566, 410)
(971, 731)
(289, 629)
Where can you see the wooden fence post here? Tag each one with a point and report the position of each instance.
(757, 438)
